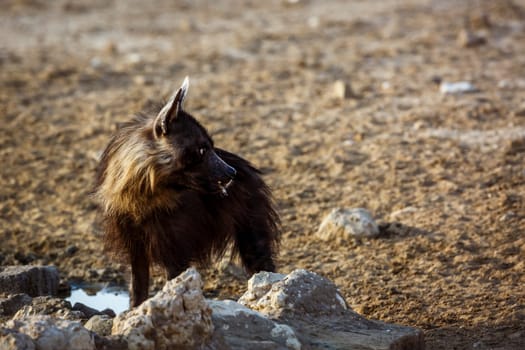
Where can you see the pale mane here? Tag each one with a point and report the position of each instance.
(135, 170)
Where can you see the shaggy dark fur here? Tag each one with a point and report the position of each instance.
(169, 197)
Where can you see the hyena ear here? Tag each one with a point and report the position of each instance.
(169, 112)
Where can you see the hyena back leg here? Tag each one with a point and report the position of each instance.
(255, 250)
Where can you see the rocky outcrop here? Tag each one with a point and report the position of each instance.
(301, 310)
(312, 306)
(299, 293)
(31, 280)
(48, 333)
(176, 317)
(243, 328)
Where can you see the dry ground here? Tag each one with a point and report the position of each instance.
(443, 174)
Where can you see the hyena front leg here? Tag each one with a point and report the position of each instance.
(139, 274)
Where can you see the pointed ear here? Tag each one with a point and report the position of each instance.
(169, 112)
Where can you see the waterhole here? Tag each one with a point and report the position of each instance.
(100, 297)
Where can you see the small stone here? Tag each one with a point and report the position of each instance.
(71, 250)
(100, 324)
(469, 39)
(134, 58)
(86, 310)
(95, 62)
(343, 224)
(142, 80)
(313, 22)
(342, 90)
(460, 87)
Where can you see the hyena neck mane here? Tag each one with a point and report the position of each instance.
(134, 170)
(138, 171)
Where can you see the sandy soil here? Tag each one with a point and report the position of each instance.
(442, 173)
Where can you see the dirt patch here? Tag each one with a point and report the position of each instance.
(442, 173)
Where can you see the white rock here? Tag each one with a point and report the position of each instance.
(342, 90)
(242, 327)
(51, 334)
(314, 315)
(460, 87)
(300, 291)
(259, 284)
(176, 317)
(342, 224)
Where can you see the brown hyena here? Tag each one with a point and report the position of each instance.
(168, 196)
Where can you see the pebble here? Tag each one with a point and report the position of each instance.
(342, 90)
(100, 324)
(142, 80)
(95, 62)
(469, 39)
(459, 87)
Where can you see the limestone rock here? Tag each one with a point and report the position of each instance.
(31, 280)
(243, 328)
(258, 285)
(317, 313)
(51, 334)
(343, 224)
(55, 307)
(12, 340)
(177, 316)
(100, 324)
(301, 291)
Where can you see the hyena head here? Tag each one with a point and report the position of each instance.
(187, 149)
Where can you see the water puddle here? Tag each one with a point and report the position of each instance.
(100, 297)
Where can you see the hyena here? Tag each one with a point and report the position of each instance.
(169, 197)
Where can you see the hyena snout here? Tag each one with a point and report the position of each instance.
(224, 173)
